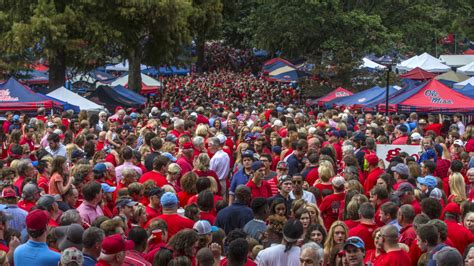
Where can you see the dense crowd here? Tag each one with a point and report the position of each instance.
(225, 168)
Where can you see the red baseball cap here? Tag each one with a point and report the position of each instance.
(453, 208)
(372, 159)
(8, 192)
(37, 220)
(187, 145)
(116, 243)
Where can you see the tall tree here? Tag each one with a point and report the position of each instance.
(204, 23)
(150, 32)
(58, 31)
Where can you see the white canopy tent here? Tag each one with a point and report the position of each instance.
(146, 80)
(456, 60)
(70, 97)
(424, 61)
(462, 84)
(467, 69)
(367, 63)
(124, 66)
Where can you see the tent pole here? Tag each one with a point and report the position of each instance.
(389, 68)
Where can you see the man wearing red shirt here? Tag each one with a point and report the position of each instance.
(153, 209)
(258, 186)
(378, 196)
(401, 135)
(113, 249)
(366, 227)
(31, 194)
(170, 215)
(394, 255)
(405, 217)
(406, 195)
(459, 235)
(185, 161)
(374, 172)
(400, 173)
(158, 174)
(433, 125)
(331, 204)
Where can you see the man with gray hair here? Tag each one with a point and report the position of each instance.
(198, 143)
(178, 127)
(26, 171)
(220, 162)
(70, 217)
(311, 254)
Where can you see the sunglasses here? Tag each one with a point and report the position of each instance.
(297, 182)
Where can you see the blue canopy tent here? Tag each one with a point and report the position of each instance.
(468, 91)
(286, 74)
(15, 96)
(274, 64)
(111, 97)
(363, 98)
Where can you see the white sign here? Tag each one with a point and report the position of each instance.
(387, 152)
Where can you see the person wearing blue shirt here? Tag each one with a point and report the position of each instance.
(35, 251)
(92, 241)
(238, 214)
(242, 176)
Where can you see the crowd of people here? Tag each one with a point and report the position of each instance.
(225, 168)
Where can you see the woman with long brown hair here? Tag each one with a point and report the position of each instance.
(60, 182)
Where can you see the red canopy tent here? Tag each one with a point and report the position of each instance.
(469, 51)
(434, 96)
(337, 93)
(418, 74)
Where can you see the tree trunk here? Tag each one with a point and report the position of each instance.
(57, 70)
(200, 54)
(134, 73)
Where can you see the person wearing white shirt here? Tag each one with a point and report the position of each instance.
(55, 148)
(286, 253)
(457, 121)
(220, 162)
(298, 192)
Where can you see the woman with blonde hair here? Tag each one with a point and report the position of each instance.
(238, 156)
(174, 172)
(315, 213)
(201, 169)
(202, 130)
(457, 186)
(336, 237)
(325, 173)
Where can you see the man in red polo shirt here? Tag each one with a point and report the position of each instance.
(170, 215)
(366, 227)
(158, 174)
(405, 217)
(373, 173)
(458, 234)
(258, 186)
(406, 194)
(378, 196)
(394, 255)
(153, 209)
